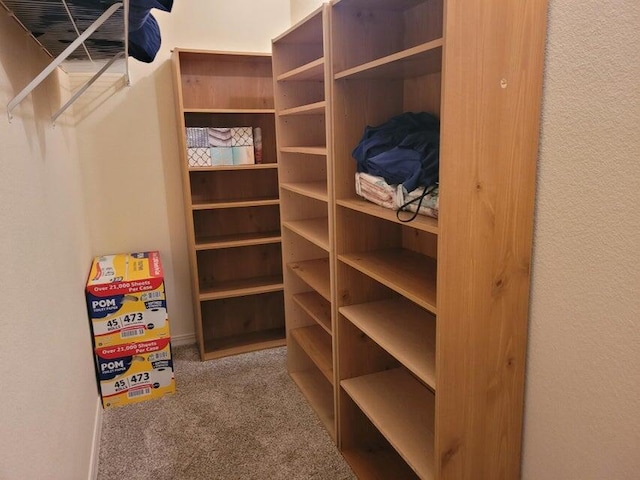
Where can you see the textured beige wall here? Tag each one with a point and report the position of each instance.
(582, 412)
(129, 143)
(48, 393)
(582, 415)
(302, 8)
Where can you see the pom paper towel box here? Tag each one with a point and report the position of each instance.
(135, 372)
(126, 299)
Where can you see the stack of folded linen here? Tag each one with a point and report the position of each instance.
(412, 202)
(376, 190)
(214, 146)
(395, 197)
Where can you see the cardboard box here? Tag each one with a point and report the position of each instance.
(135, 372)
(199, 157)
(242, 146)
(126, 299)
(221, 156)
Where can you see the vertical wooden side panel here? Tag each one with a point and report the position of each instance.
(328, 95)
(492, 79)
(306, 41)
(186, 189)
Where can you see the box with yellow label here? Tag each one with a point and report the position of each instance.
(135, 372)
(126, 299)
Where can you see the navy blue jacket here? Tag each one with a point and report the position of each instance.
(404, 150)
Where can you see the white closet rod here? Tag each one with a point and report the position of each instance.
(62, 57)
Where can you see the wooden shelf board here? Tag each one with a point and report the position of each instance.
(227, 168)
(317, 190)
(421, 222)
(403, 411)
(239, 240)
(317, 345)
(314, 273)
(228, 56)
(316, 230)
(406, 272)
(317, 307)
(254, 202)
(310, 150)
(319, 393)
(412, 62)
(395, 5)
(240, 111)
(403, 329)
(378, 464)
(316, 108)
(247, 342)
(241, 288)
(307, 30)
(311, 71)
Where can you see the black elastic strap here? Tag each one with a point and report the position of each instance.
(419, 199)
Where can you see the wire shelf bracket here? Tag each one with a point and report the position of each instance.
(65, 54)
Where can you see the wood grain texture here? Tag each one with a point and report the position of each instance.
(408, 273)
(317, 308)
(319, 394)
(403, 410)
(186, 195)
(317, 345)
(241, 81)
(490, 112)
(316, 108)
(368, 453)
(313, 70)
(302, 62)
(403, 329)
(233, 252)
(316, 230)
(226, 185)
(314, 273)
(235, 322)
(317, 190)
(221, 225)
(421, 222)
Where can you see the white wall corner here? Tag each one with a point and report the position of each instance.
(95, 444)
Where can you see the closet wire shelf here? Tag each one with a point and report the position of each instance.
(53, 24)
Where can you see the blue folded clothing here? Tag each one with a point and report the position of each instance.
(144, 32)
(404, 150)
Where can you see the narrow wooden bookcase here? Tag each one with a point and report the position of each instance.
(232, 212)
(301, 67)
(431, 322)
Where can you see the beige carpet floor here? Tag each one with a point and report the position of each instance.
(239, 417)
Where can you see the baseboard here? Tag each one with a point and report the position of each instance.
(95, 444)
(185, 339)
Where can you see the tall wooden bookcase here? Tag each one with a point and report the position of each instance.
(233, 218)
(429, 318)
(301, 64)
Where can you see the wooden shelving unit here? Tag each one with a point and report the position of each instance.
(430, 316)
(387, 272)
(233, 217)
(301, 66)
